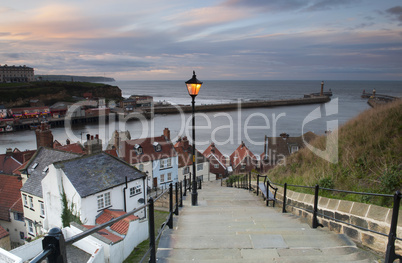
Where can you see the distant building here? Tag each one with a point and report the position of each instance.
(185, 156)
(11, 211)
(3, 112)
(218, 162)
(155, 156)
(276, 149)
(16, 74)
(30, 112)
(142, 100)
(243, 160)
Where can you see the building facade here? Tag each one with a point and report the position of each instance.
(16, 74)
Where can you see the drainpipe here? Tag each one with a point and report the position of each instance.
(124, 196)
(145, 194)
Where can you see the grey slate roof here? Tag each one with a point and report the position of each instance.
(98, 172)
(43, 157)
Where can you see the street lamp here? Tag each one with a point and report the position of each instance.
(193, 87)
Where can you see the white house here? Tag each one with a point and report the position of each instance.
(185, 157)
(31, 192)
(91, 184)
(155, 156)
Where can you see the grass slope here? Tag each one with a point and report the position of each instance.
(370, 158)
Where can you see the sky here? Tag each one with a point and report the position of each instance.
(220, 40)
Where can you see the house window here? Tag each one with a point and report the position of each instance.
(25, 200)
(216, 166)
(162, 164)
(141, 167)
(104, 201)
(169, 177)
(135, 190)
(30, 227)
(200, 167)
(294, 149)
(22, 235)
(31, 205)
(42, 209)
(18, 216)
(186, 170)
(162, 178)
(169, 162)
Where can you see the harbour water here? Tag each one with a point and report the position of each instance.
(228, 129)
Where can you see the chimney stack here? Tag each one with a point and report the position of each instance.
(166, 133)
(185, 142)
(93, 145)
(44, 136)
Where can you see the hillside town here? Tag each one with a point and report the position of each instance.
(110, 182)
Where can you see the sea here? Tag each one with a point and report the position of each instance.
(227, 129)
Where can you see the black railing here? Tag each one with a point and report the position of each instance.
(54, 244)
(244, 181)
(390, 254)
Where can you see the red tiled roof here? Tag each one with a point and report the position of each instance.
(112, 237)
(8, 164)
(149, 152)
(3, 232)
(112, 152)
(9, 195)
(21, 167)
(240, 154)
(74, 148)
(212, 151)
(121, 226)
(23, 156)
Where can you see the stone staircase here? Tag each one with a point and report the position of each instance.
(234, 225)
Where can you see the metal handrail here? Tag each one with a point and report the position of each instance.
(56, 248)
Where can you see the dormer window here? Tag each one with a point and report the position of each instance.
(34, 165)
(45, 170)
(157, 146)
(138, 149)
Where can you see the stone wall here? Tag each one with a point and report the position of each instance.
(368, 216)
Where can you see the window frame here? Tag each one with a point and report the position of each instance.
(169, 177)
(103, 201)
(200, 165)
(162, 176)
(42, 209)
(31, 203)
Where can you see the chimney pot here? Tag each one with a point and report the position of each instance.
(92, 137)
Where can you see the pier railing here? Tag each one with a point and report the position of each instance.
(244, 182)
(54, 244)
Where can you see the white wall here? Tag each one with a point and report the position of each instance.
(6, 256)
(95, 249)
(52, 189)
(29, 250)
(86, 208)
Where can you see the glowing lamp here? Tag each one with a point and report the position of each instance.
(193, 85)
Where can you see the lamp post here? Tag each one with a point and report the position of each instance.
(193, 87)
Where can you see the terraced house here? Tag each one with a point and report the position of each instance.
(31, 192)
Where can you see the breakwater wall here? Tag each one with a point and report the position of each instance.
(242, 105)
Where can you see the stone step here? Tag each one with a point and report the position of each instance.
(233, 225)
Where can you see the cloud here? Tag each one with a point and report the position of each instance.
(263, 5)
(329, 4)
(396, 11)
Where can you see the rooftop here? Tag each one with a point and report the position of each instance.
(121, 226)
(36, 166)
(97, 172)
(10, 196)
